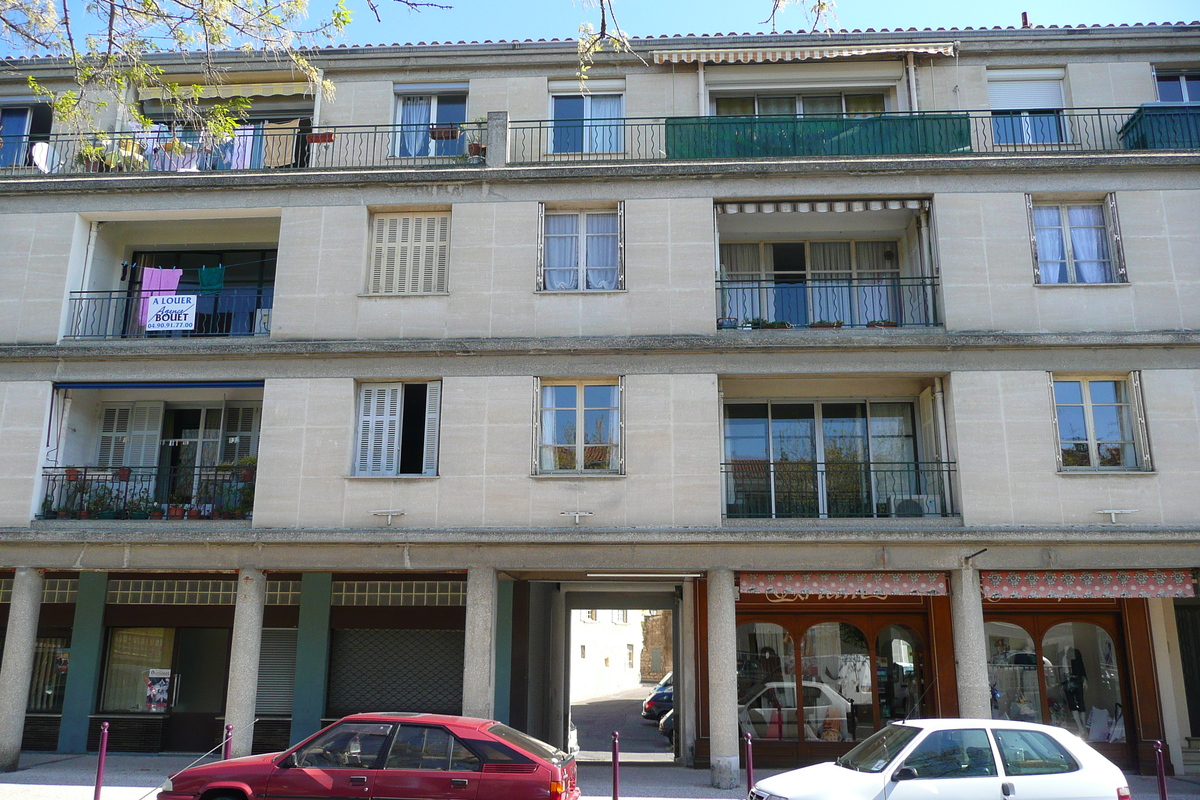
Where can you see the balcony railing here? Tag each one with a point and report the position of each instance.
(860, 303)
(233, 311)
(328, 147)
(947, 133)
(804, 489)
(224, 492)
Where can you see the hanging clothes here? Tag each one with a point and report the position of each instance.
(212, 280)
(157, 283)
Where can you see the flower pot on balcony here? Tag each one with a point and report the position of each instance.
(72, 474)
(140, 515)
(176, 512)
(476, 149)
(123, 473)
(882, 323)
(727, 323)
(106, 515)
(49, 515)
(322, 137)
(824, 323)
(443, 133)
(156, 514)
(247, 476)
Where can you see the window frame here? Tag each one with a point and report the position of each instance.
(431, 144)
(798, 97)
(1112, 227)
(431, 432)
(1137, 424)
(580, 410)
(1015, 111)
(1180, 76)
(585, 145)
(580, 247)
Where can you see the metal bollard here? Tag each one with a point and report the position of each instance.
(616, 753)
(227, 752)
(100, 763)
(1161, 769)
(749, 764)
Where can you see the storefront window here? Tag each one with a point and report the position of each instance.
(766, 657)
(1012, 672)
(49, 681)
(837, 682)
(137, 677)
(1082, 684)
(899, 668)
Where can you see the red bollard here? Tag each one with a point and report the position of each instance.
(616, 753)
(749, 763)
(227, 753)
(1161, 769)
(100, 763)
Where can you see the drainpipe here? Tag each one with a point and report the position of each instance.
(93, 230)
(317, 100)
(702, 107)
(912, 83)
(939, 412)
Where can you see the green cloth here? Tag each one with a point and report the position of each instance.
(212, 280)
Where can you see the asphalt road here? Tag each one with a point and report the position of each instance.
(596, 719)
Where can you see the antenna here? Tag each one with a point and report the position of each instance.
(920, 697)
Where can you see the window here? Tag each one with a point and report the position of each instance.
(1032, 753)
(583, 651)
(953, 754)
(1179, 87)
(19, 125)
(430, 124)
(587, 123)
(804, 105)
(582, 251)
(1101, 424)
(410, 253)
(1076, 242)
(620, 616)
(629, 656)
(351, 745)
(589, 615)
(579, 428)
(428, 748)
(1026, 106)
(398, 429)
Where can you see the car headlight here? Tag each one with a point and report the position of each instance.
(759, 794)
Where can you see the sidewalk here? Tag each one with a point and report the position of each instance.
(133, 777)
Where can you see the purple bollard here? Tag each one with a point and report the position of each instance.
(1161, 769)
(616, 753)
(749, 763)
(227, 752)
(100, 762)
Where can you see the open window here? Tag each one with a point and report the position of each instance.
(398, 429)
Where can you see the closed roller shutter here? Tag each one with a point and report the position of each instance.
(276, 672)
(395, 670)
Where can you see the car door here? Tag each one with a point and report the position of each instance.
(427, 762)
(340, 764)
(1037, 767)
(957, 763)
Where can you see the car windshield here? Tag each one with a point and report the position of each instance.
(529, 744)
(878, 750)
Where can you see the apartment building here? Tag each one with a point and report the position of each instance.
(872, 357)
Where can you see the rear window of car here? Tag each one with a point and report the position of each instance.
(1032, 753)
(527, 743)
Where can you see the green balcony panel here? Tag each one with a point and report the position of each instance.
(1163, 127)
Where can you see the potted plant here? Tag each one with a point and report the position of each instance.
(726, 323)
(778, 324)
(475, 131)
(93, 158)
(825, 323)
(177, 506)
(249, 468)
(881, 323)
(319, 137)
(71, 473)
(102, 503)
(757, 323)
(48, 511)
(143, 506)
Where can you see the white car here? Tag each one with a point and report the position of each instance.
(769, 712)
(963, 759)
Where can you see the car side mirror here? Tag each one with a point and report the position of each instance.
(288, 762)
(905, 774)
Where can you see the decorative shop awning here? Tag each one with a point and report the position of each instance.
(1104, 583)
(233, 90)
(824, 206)
(844, 583)
(767, 55)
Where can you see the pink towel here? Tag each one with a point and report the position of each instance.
(157, 283)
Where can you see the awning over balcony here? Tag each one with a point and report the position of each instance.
(844, 584)
(1102, 583)
(766, 55)
(821, 207)
(234, 90)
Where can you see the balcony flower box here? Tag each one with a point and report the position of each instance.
(882, 323)
(727, 323)
(443, 133)
(322, 137)
(824, 323)
(476, 149)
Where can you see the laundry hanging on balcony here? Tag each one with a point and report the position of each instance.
(156, 283)
(212, 280)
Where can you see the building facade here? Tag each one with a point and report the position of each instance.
(871, 357)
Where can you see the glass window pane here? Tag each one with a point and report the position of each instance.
(898, 656)
(568, 124)
(351, 745)
(1082, 682)
(1032, 753)
(1107, 391)
(864, 104)
(777, 105)
(451, 108)
(746, 431)
(766, 662)
(1068, 392)
(599, 426)
(1112, 423)
(1170, 89)
(953, 754)
(1012, 672)
(1192, 84)
(838, 689)
(49, 682)
(734, 106)
(793, 432)
(1071, 424)
(600, 457)
(1116, 454)
(558, 224)
(1075, 454)
(831, 104)
(601, 396)
(558, 396)
(462, 759)
(133, 678)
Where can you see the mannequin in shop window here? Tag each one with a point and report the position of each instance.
(1074, 684)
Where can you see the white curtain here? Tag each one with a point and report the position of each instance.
(876, 285)
(602, 251)
(561, 253)
(1089, 244)
(830, 270)
(415, 115)
(741, 298)
(1052, 253)
(605, 138)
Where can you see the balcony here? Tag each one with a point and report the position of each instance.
(864, 303)
(235, 311)
(175, 493)
(1158, 126)
(760, 489)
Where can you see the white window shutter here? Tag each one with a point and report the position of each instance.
(1114, 233)
(1142, 432)
(541, 244)
(1054, 422)
(385, 255)
(429, 253)
(621, 425)
(537, 425)
(145, 430)
(1037, 270)
(379, 430)
(433, 413)
(114, 435)
(621, 244)
(241, 433)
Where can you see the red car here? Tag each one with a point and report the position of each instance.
(388, 756)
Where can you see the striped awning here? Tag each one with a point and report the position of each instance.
(844, 584)
(820, 207)
(1098, 583)
(768, 55)
(233, 90)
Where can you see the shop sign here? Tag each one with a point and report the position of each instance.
(842, 585)
(1114, 583)
(172, 312)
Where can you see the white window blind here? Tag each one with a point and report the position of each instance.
(1016, 95)
(129, 434)
(241, 433)
(386, 432)
(410, 254)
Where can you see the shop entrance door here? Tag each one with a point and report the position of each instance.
(1188, 620)
(197, 689)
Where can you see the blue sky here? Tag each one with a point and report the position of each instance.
(543, 19)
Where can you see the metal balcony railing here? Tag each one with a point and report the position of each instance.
(327, 147)
(806, 489)
(859, 303)
(1153, 126)
(223, 492)
(233, 311)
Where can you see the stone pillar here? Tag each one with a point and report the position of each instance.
(17, 666)
(970, 645)
(497, 139)
(479, 647)
(722, 680)
(312, 655)
(242, 693)
(83, 674)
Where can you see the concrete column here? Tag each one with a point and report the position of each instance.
(242, 694)
(17, 666)
(685, 676)
(497, 139)
(504, 652)
(970, 645)
(87, 649)
(722, 680)
(312, 655)
(1164, 633)
(479, 648)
